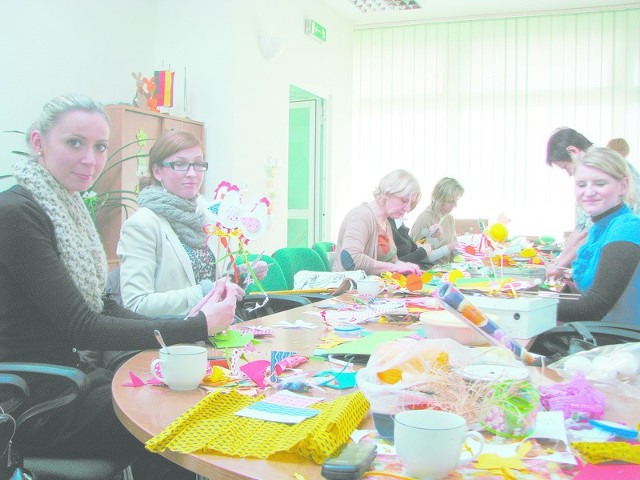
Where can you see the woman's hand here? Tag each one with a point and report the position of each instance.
(435, 230)
(233, 289)
(405, 267)
(453, 245)
(218, 306)
(260, 268)
(427, 247)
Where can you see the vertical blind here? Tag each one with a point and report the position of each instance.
(478, 99)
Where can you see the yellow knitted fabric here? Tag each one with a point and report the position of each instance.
(599, 452)
(211, 426)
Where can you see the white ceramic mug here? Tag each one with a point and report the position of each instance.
(429, 442)
(370, 286)
(182, 368)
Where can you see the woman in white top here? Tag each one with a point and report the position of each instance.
(166, 261)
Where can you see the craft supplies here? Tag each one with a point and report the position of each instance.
(511, 409)
(456, 303)
(442, 324)
(316, 438)
(520, 317)
(600, 452)
(617, 429)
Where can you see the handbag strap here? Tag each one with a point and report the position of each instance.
(582, 330)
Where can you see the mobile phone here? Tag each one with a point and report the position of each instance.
(350, 463)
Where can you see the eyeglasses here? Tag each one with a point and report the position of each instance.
(185, 166)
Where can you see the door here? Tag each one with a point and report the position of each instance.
(305, 220)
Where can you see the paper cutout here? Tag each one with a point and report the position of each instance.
(285, 397)
(230, 214)
(600, 472)
(234, 362)
(256, 371)
(276, 357)
(231, 339)
(257, 331)
(289, 362)
(339, 380)
(277, 413)
(297, 324)
(366, 345)
(138, 382)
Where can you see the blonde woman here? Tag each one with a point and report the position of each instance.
(436, 225)
(365, 240)
(605, 270)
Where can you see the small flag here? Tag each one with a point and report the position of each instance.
(164, 87)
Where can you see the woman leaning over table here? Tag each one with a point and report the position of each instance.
(436, 225)
(606, 270)
(52, 274)
(365, 241)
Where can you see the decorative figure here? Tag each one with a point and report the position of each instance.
(146, 95)
(140, 100)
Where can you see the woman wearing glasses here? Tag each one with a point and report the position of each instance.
(365, 240)
(166, 262)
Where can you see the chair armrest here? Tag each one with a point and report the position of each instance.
(78, 383)
(75, 376)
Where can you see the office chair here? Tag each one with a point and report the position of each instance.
(15, 379)
(322, 249)
(294, 259)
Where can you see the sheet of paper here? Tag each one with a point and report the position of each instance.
(273, 412)
(365, 345)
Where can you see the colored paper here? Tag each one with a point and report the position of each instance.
(365, 345)
(231, 339)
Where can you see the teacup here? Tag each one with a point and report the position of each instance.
(370, 286)
(429, 442)
(181, 368)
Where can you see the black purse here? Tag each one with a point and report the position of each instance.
(576, 337)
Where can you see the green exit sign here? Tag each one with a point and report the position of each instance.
(315, 30)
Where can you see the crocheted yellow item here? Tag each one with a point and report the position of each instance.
(599, 452)
(212, 426)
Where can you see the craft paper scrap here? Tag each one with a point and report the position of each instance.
(365, 345)
(231, 339)
(297, 324)
(277, 356)
(273, 412)
(256, 371)
(291, 399)
(600, 472)
(257, 331)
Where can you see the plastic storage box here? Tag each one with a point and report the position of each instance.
(520, 317)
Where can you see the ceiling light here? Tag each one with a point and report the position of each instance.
(375, 6)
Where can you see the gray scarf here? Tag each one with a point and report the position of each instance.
(78, 241)
(180, 213)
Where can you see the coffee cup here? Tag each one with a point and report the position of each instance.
(370, 286)
(182, 367)
(429, 442)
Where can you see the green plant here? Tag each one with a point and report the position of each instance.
(126, 199)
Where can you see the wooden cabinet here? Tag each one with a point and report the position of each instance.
(137, 128)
